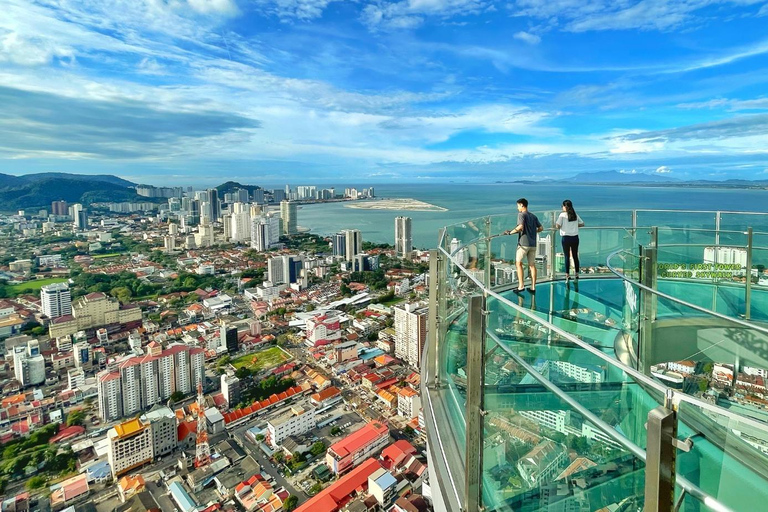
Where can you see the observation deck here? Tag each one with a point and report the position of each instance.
(641, 386)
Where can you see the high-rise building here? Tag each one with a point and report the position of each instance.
(29, 364)
(410, 332)
(79, 217)
(288, 213)
(162, 422)
(258, 196)
(56, 300)
(228, 338)
(241, 223)
(130, 446)
(265, 232)
(215, 202)
(59, 208)
(403, 237)
(353, 244)
(230, 389)
(283, 269)
(339, 243)
(135, 383)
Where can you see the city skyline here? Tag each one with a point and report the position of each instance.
(383, 91)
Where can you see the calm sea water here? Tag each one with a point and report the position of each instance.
(465, 201)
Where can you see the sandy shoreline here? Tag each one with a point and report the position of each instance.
(413, 205)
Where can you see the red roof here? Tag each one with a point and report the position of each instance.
(67, 433)
(186, 428)
(95, 295)
(394, 454)
(339, 494)
(359, 439)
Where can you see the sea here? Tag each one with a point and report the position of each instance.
(469, 201)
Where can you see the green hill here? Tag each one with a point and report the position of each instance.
(41, 191)
(231, 186)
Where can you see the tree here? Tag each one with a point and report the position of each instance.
(122, 293)
(317, 448)
(290, 503)
(242, 372)
(703, 385)
(75, 417)
(177, 396)
(36, 482)
(335, 431)
(259, 437)
(408, 431)
(316, 488)
(279, 457)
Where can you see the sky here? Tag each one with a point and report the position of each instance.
(324, 91)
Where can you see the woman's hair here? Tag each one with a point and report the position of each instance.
(569, 210)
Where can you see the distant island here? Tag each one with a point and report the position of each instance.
(643, 180)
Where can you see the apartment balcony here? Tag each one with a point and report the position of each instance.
(564, 400)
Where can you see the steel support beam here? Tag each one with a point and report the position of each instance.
(648, 300)
(661, 450)
(475, 403)
(433, 317)
(748, 287)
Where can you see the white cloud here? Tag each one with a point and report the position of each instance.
(763, 11)
(17, 49)
(633, 171)
(225, 7)
(580, 16)
(527, 37)
(411, 13)
(663, 170)
(298, 9)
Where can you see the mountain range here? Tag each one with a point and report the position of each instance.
(644, 179)
(40, 189)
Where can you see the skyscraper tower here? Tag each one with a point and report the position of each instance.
(203, 450)
(213, 199)
(288, 213)
(403, 238)
(353, 245)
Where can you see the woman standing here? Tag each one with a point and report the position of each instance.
(569, 223)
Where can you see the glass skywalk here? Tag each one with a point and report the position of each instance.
(542, 402)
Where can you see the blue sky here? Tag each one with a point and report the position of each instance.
(265, 91)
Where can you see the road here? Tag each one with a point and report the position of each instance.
(266, 466)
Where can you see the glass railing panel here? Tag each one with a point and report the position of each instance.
(729, 457)
(677, 219)
(464, 233)
(517, 402)
(741, 221)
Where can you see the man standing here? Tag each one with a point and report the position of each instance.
(528, 226)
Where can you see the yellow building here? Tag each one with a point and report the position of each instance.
(93, 310)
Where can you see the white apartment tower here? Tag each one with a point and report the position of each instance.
(136, 383)
(56, 300)
(410, 332)
(403, 237)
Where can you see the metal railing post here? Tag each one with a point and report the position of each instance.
(433, 318)
(661, 451)
(648, 300)
(552, 248)
(748, 287)
(488, 256)
(475, 403)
